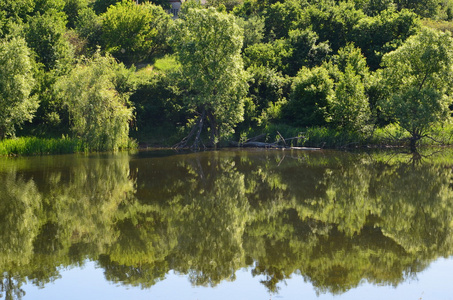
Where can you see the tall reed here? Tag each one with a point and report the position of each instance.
(39, 146)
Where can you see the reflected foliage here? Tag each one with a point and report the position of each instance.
(337, 219)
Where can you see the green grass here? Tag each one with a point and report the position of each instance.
(42, 146)
(39, 146)
(324, 137)
(166, 63)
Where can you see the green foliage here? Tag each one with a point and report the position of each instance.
(268, 90)
(246, 9)
(253, 30)
(375, 7)
(208, 44)
(279, 39)
(101, 6)
(72, 9)
(17, 9)
(13, 13)
(419, 77)
(270, 55)
(227, 4)
(281, 17)
(133, 33)
(96, 97)
(17, 104)
(349, 108)
(45, 34)
(304, 50)
(332, 94)
(89, 26)
(38, 146)
(301, 48)
(155, 101)
(333, 23)
(43, 6)
(311, 94)
(423, 8)
(383, 33)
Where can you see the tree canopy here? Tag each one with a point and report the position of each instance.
(97, 102)
(208, 46)
(17, 102)
(419, 78)
(133, 33)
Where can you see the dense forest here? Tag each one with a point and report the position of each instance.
(105, 74)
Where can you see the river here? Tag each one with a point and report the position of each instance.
(230, 224)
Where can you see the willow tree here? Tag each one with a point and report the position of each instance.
(419, 79)
(97, 102)
(208, 43)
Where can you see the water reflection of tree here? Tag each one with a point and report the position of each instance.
(20, 210)
(360, 222)
(335, 220)
(44, 226)
(211, 220)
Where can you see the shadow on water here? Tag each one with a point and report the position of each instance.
(337, 219)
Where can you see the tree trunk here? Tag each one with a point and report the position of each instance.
(214, 128)
(196, 142)
(415, 137)
(413, 144)
(197, 128)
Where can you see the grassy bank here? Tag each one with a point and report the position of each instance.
(42, 146)
(39, 146)
(323, 137)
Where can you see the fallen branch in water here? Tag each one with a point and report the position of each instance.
(252, 143)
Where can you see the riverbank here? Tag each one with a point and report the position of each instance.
(313, 137)
(28, 146)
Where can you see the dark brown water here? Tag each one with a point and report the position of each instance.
(202, 225)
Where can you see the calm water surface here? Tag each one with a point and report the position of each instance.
(258, 224)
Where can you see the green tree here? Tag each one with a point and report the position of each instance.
(101, 6)
(97, 102)
(253, 30)
(13, 12)
(89, 27)
(72, 8)
(349, 109)
(274, 55)
(383, 33)
(375, 7)
(227, 4)
(157, 106)
(45, 34)
(281, 17)
(311, 94)
(423, 8)
(208, 45)
(133, 33)
(333, 22)
(419, 79)
(304, 50)
(268, 91)
(17, 104)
